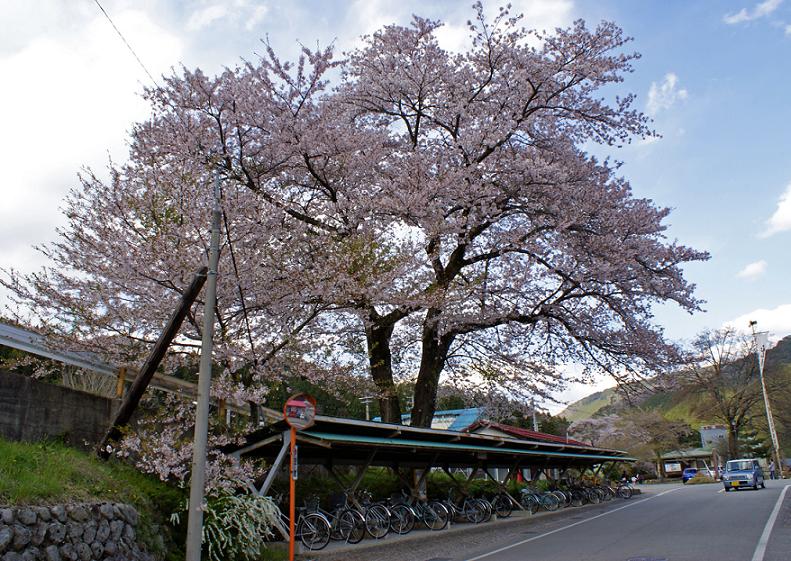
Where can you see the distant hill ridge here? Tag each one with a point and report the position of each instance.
(674, 404)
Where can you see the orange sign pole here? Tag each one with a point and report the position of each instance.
(299, 412)
(292, 493)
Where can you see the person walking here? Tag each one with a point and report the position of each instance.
(772, 470)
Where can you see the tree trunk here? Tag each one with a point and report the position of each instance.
(733, 447)
(434, 353)
(381, 365)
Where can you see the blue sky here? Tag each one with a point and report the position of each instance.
(715, 76)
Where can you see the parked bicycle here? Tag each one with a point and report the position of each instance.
(346, 524)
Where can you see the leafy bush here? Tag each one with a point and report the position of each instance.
(700, 478)
(236, 525)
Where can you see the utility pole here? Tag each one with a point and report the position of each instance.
(198, 479)
(535, 419)
(761, 341)
(367, 402)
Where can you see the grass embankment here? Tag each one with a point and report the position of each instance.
(47, 473)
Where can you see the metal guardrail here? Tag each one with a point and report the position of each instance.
(36, 344)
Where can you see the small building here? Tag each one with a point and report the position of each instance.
(448, 419)
(491, 428)
(712, 436)
(673, 463)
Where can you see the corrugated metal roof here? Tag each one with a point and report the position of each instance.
(431, 445)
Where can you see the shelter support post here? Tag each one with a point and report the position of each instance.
(276, 465)
(416, 492)
(455, 482)
(351, 489)
(502, 484)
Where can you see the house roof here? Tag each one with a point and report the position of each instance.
(692, 453)
(526, 434)
(463, 417)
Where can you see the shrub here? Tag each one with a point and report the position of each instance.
(699, 479)
(236, 525)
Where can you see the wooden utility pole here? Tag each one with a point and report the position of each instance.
(148, 370)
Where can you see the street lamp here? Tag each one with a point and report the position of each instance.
(761, 341)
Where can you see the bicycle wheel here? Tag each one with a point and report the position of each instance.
(577, 498)
(529, 502)
(314, 531)
(377, 521)
(549, 502)
(351, 525)
(624, 491)
(402, 519)
(488, 509)
(563, 498)
(502, 506)
(435, 516)
(474, 512)
(453, 511)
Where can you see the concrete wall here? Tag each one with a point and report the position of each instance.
(31, 410)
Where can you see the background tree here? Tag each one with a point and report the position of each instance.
(433, 214)
(724, 372)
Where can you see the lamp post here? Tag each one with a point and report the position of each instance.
(761, 341)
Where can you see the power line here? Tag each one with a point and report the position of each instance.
(128, 46)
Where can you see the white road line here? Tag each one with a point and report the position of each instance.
(721, 490)
(496, 551)
(760, 550)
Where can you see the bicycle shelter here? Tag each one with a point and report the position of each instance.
(335, 442)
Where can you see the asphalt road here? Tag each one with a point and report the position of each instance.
(669, 523)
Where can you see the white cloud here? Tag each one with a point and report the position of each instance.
(256, 17)
(777, 321)
(788, 30)
(76, 95)
(204, 17)
(780, 221)
(665, 95)
(239, 12)
(367, 16)
(760, 10)
(753, 271)
(543, 14)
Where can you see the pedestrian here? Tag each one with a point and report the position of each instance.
(772, 469)
(624, 477)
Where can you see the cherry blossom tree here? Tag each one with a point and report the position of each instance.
(437, 210)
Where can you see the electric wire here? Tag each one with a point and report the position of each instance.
(128, 46)
(225, 218)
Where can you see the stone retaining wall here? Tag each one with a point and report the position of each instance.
(76, 532)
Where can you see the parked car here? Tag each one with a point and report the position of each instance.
(743, 473)
(688, 474)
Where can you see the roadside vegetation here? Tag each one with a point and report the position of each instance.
(701, 479)
(47, 473)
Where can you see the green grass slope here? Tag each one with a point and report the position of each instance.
(47, 473)
(587, 407)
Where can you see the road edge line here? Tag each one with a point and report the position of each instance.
(763, 541)
(517, 544)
